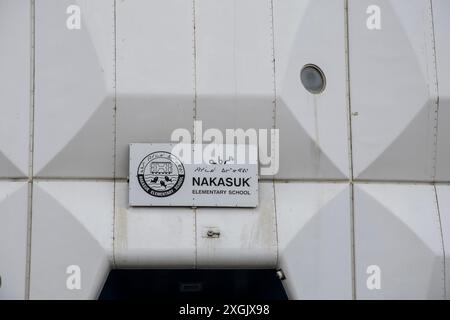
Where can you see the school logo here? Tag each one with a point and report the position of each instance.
(161, 174)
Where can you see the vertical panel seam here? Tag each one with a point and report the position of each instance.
(350, 148)
(114, 131)
(31, 150)
(442, 241)
(274, 124)
(436, 88)
(194, 115)
(435, 142)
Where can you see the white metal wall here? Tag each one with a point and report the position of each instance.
(364, 166)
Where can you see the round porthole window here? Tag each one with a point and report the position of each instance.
(313, 78)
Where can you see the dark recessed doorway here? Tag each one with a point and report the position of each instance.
(193, 284)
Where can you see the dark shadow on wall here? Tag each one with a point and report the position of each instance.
(193, 285)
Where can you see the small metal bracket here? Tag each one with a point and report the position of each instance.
(280, 274)
(211, 232)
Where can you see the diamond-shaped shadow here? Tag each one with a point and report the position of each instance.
(406, 246)
(61, 238)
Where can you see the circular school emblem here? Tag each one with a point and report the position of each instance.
(160, 174)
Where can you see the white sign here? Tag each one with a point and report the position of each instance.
(193, 175)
